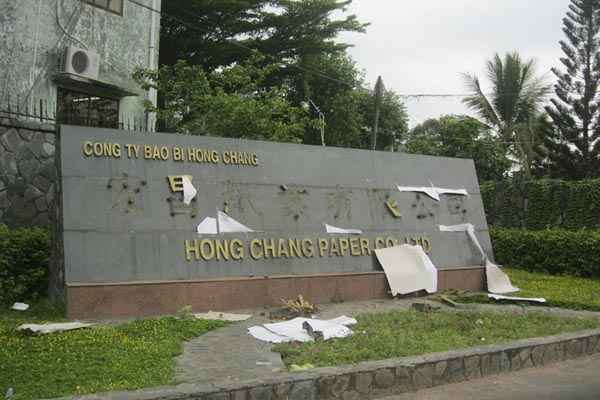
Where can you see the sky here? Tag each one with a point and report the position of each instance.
(422, 47)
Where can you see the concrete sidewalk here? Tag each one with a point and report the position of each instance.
(569, 380)
(231, 354)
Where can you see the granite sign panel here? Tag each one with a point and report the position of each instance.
(125, 218)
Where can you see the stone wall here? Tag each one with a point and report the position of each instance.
(27, 172)
(379, 379)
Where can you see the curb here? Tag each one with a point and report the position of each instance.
(374, 379)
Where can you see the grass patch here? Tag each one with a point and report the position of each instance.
(560, 291)
(130, 356)
(401, 334)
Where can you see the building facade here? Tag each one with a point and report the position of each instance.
(75, 58)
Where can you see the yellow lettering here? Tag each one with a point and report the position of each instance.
(88, 149)
(354, 247)
(236, 248)
(164, 153)
(344, 246)
(294, 247)
(269, 248)
(282, 249)
(308, 249)
(210, 254)
(192, 248)
(323, 246)
(365, 246)
(335, 248)
(223, 249)
(256, 251)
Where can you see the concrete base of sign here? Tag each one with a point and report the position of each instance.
(109, 300)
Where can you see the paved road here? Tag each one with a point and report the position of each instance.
(571, 380)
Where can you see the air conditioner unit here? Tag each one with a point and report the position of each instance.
(82, 62)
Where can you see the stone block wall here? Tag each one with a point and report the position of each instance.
(28, 172)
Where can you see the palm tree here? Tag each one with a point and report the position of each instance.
(513, 106)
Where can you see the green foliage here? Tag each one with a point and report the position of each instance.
(463, 137)
(542, 204)
(105, 358)
(574, 148)
(232, 102)
(563, 291)
(221, 33)
(24, 256)
(401, 334)
(512, 107)
(554, 251)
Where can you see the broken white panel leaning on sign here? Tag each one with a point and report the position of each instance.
(497, 280)
(208, 226)
(189, 191)
(433, 192)
(226, 224)
(408, 269)
(335, 229)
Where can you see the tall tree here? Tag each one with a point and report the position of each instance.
(230, 102)
(574, 143)
(460, 136)
(219, 33)
(515, 101)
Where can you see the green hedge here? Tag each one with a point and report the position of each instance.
(554, 251)
(542, 204)
(24, 255)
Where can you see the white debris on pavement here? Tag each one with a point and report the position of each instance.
(293, 330)
(51, 328)
(219, 316)
(511, 298)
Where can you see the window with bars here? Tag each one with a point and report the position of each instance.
(76, 108)
(115, 6)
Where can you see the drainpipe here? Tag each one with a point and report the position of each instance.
(152, 60)
(35, 52)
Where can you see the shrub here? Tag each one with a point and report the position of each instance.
(554, 251)
(542, 204)
(24, 256)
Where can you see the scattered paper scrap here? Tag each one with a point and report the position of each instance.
(263, 334)
(219, 316)
(189, 191)
(222, 224)
(497, 280)
(51, 328)
(208, 226)
(433, 192)
(20, 307)
(470, 230)
(226, 224)
(335, 229)
(294, 330)
(408, 269)
(527, 299)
